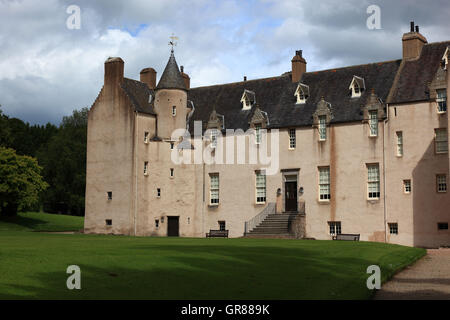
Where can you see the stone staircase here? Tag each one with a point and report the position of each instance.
(275, 225)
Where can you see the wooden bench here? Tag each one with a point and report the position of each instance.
(346, 236)
(217, 234)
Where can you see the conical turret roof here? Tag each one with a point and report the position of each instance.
(171, 77)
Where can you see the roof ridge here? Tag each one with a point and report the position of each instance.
(230, 83)
(356, 65)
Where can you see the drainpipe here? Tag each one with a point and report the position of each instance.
(135, 169)
(384, 172)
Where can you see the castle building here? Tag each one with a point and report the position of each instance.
(355, 150)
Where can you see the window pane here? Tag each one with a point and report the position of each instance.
(373, 122)
(322, 128)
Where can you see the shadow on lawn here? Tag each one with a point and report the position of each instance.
(21, 221)
(206, 272)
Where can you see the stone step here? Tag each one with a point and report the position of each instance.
(271, 236)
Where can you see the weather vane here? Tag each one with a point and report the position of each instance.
(172, 41)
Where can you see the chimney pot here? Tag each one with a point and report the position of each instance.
(417, 28)
(182, 69)
(412, 43)
(245, 78)
(412, 26)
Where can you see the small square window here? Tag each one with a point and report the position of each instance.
(222, 225)
(108, 222)
(109, 195)
(335, 227)
(442, 225)
(407, 186)
(157, 223)
(158, 192)
(393, 228)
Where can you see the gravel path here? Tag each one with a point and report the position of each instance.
(428, 278)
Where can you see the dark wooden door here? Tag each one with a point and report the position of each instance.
(291, 195)
(173, 225)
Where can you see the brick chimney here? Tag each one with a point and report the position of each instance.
(113, 71)
(412, 43)
(148, 76)
(187, 80)
(298, 66)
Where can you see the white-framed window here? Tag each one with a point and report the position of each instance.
(260, 186)
(322, 128)
(301, 93)
(407, 186)
(373, 123)
(214, 134)
(441, 100)
(399, 143)
(214, 188)
(174, 111)
(440, 139)
(373, 181)
(441, 183)
(146, 167)
(292, 139)
(324, 183)
(258, 133)
(393, 228)
(146, 136)
(334, 227)
(171, 172)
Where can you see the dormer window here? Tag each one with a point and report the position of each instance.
(302, 93)
(247, 99)
(357, 86)
(214, 133)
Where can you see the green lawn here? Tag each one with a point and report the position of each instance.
(33, 265)
(38, 221)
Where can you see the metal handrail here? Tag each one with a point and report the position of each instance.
(256, 220)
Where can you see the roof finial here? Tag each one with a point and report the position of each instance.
(172, 41)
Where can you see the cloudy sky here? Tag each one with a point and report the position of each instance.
(48, 70)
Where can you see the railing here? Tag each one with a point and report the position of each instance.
(256, 220)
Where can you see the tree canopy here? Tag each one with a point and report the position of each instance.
(21, 182)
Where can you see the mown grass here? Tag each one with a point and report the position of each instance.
(33, 266)
(38, 221)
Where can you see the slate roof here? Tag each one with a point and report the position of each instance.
(414, 76)
(139, 94)
(171, 77)
(276, 96)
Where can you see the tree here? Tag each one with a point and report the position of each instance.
(64, 162)
(5, 135)
(20, 182)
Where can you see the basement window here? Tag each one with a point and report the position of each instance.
(109, 193)
(108, 222)
(222, 225)
(393, 228)
(442, 225)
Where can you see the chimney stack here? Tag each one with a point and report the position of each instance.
(186, 78)
(412, 43)
(148, 76)
(245, 78)
(113, 71)
(298, 66)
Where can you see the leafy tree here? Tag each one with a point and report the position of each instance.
(5, 135)
(20, 182)
(64, 162)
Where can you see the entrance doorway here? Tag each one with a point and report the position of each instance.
(290, 193)
(173, 226)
